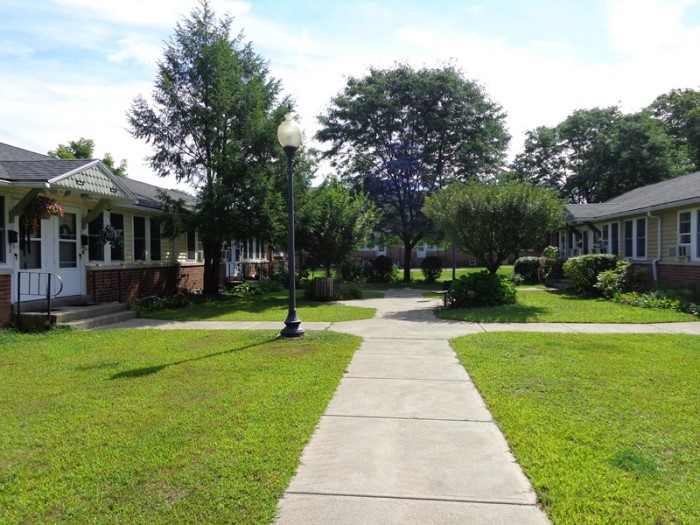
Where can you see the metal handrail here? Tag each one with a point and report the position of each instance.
(38, 293)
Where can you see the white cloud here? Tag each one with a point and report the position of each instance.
(137, 47)
(151, 13)
(649, 26)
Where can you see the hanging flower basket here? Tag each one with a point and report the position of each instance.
(40, 208)
(112, 236)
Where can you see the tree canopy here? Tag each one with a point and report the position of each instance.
(212, 123)
(679, 110)
(336, 220)
(493, 221)
(85, 149)
(597, 154)
(403, 133)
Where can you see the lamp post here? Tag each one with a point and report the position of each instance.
(289, 135)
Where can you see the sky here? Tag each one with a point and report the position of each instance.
(72, 68)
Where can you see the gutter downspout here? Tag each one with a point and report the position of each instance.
(655, 262)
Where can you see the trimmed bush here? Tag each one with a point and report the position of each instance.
(382, 269)
(584, 270)
(351, 271)
(431, 267)
(528, 268)
(481, 289)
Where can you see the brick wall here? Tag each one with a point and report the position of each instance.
(5, 300)
(678, 274)
(126, 284)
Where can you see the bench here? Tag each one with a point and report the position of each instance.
(445, 288)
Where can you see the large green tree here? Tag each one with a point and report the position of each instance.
(337, 219)
(403, 133)
(596, 154)
(212, 123)
(85, 149)
(493, 221)
(679, 110)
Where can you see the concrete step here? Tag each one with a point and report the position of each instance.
(101, 320)
(77, 315)
(56, 302)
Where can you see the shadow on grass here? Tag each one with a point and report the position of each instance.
(513, 313)
(150, 370)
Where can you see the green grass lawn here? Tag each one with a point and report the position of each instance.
(153, 427)
(605, 426)
(556, 307)
(268, 307)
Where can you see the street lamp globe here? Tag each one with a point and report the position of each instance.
(289, 132)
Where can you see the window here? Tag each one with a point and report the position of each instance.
(95, 248)
(3, 233)
(685, 227)
(629, 239)
(139, 239)
(155, 239)
(635, 240)
(117, 222)
(191, 246)
(615, 238)
(641, 247)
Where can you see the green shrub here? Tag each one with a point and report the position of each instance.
(528, 268)
(245, 289)
(548, 262)
(153, 303)
(382, 269)
(657, 299)
(481, 289)
(584, 270)
(517, 279)
(431, 267)
(351, 271)
(617, 280)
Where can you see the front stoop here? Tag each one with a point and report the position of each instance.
(78, 316)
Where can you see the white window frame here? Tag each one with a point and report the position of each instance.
(635, 229)
(693, 236)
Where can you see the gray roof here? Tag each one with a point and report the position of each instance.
(21, 166)
(40, 170)
(14, 153)
(147, 194)
(670, 193)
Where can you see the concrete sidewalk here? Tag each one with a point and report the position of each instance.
(407, 438)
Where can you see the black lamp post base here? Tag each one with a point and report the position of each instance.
(292, 329)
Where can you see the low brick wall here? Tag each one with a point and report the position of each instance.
(5, 299)
(678, 274)
(105, 285)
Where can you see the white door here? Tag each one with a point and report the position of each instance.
(68, 263)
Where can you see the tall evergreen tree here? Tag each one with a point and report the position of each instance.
(212, 123)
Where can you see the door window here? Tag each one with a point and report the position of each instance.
(67, 241)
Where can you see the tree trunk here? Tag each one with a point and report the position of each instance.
(212, 263)
(407, 251)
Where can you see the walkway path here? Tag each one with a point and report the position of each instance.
(407, 439)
